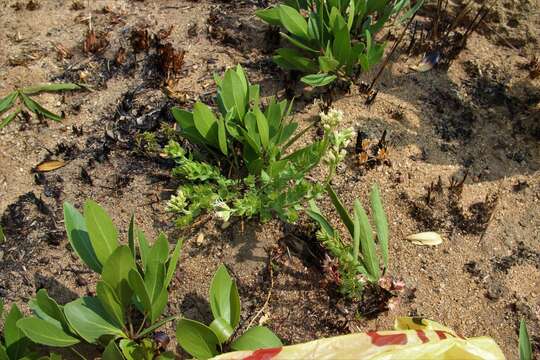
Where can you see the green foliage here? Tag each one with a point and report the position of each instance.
(253, 173)
(358, 260)
(525, 346)
(130, 295)
(24, 96)
(332, 38)
(203, 342)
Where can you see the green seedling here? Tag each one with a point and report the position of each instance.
(203, 342)
(333, 39)
(130, 296)
(359, 257)
(24, 96)
(525, 346)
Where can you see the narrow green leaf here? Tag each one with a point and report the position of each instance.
(131, 236)
(144, 247)
(224, 298)
(102, 232)
(262, 126)
(110, 302)
(222, 136)
(87, 316)
(7, 102)
(50, 88)
(196, 339)
(205, 123)
(137, 284)
(153, 279)
(116, 271)
(367, 243)
(381, 223)
(323, 223)
(187, 125)
(342, 212)
(525, 346)
(3, 353)
(258, 337)
(156, 325)
(78, 237)
(15, 341)
(316, 80)
(173, 262)
(38, 109)
(42, 332)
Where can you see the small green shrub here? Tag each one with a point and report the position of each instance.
(24, 95)
(358, 260)
(332, 38)
(130, 296)
(203, 342)
(253, 174)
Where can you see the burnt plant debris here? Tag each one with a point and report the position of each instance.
(521, 254)
(371, 152)
(441, 208)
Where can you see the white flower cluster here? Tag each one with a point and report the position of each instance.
(223, 211)
(178, 202)
(331, 120)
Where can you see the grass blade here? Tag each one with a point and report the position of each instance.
(381, 222)
(343, 214)
(525, 347)
(8, 101)
(34, 89)
(367, 244)
(9, 118)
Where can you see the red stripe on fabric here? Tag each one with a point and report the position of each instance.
(422, 336)
(382, 340)
(264, 354)
(441, 334)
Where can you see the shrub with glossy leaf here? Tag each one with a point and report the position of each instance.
(332, 38)
(359, 257)
(134, 279)
(24, 96)
(253, 174)
(203, 342)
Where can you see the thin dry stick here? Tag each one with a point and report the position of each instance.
(267, 297)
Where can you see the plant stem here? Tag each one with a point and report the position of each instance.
(78, 353)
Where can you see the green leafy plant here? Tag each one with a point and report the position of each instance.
(525, 346)
(130, 296)
(253, 173)
(358, 260)
(204, 342)
(25, 97)
(332, 38)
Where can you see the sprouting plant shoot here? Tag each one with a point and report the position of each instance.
(525, 346)
(358, 259)
(24, 96)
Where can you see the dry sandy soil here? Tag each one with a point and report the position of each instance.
(477, 115)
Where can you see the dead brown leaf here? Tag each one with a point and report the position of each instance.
(140, 40)
(170, 59)
(120, 57)
(95, 42)
(50, 165)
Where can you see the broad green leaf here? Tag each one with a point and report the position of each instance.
(316, 80)
(129, 349)
(262, 126)
(236, 85)
(342, 212)
(102, 232)
(3, 353)
(158, 304)
(205, 123)
(290, 59)
(287, 132)
(90, 320)
(224, 298)
(293, 21)
(173, 262)
(381, 223)
(525, 346)
(222, 329)
(313, 28)
(243, 79)
(34, 89)
(110, 302)
(131, 236)
(254, 97)
(78, 237)
(115, 273)
(270, 16)
(4, 122)
(196, 339)
(187, 125)
(48, 309)
(367, 243)
(327, 63)
(159, 251)
(258, 337)
(14, 340)
(137, 284)
(36, 108)
(7, 102)
(153, 279)
(298, 43)
(42, 332)
(112, 352)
